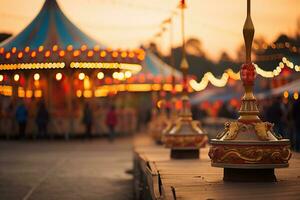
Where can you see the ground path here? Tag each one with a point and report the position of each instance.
(42, 170)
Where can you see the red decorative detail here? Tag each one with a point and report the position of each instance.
(182, 3)
(162, 93)
(248, 73)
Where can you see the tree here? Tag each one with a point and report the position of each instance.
(224, 57)
(4, 36)
(298, 28)
(194, 47)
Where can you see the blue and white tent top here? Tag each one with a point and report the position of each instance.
(156, 67)
(50, 27)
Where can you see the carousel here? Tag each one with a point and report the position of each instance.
(53, 61)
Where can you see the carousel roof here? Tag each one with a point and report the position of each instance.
(51, 40)
(153, 65)
(50, 27)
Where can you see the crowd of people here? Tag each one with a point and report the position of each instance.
(42, 119)
(17, 119)
(283, 113)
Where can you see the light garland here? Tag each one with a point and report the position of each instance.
(32, 66)
(221, 82)
(285, 45)
(135, 68)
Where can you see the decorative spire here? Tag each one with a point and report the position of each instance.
(249, 110)
(184, 63)
(248, 32)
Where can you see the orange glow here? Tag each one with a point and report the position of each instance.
(156, 87)
(142, 78)
(131, 55)
(41, 48)
(108, 80)
(141, 57)
(286, 94)
(13, 50)
(1, 50)
(33, 54)
(86, 83)
(29, 93)
(90, 53)
(7, 56)
(27, 49)
(296, 95)
(102, 54)
(83, 47)
(78, 93)
(6, 90)
(87, 93)
(115, 54)
(21, 92)
(124, 54)
(54, 48)
(69, 47)
(76, 53)
(38, 93)
(62, 53)
(47, 53)
(20, 54)
(96, 48)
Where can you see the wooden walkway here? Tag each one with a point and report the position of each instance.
(156, 176)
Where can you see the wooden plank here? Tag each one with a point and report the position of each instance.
(196, 179)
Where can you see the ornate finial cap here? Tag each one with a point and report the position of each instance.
(184, 64)
(182, 4)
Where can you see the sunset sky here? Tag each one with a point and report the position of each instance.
(129, 23)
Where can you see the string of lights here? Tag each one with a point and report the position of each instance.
(229, 73)
(285, 45)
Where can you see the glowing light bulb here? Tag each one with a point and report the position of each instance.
(286, 94)
(36, 77)
(58, 76)
(296, 95)
(128, 74)
(121, 76)
(81, 76)
(1, 77)
(16, 77)
(100, 75)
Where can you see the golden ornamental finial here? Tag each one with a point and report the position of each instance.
(248, 32)
(184, 64)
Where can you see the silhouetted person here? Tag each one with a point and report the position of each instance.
(87, 120)
(42, 119)
(275, 114)
(296, 115)
(21, 117)
(111, 122)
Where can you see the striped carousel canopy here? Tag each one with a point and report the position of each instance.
(51, 40)
(154, 66)
(50, 27)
